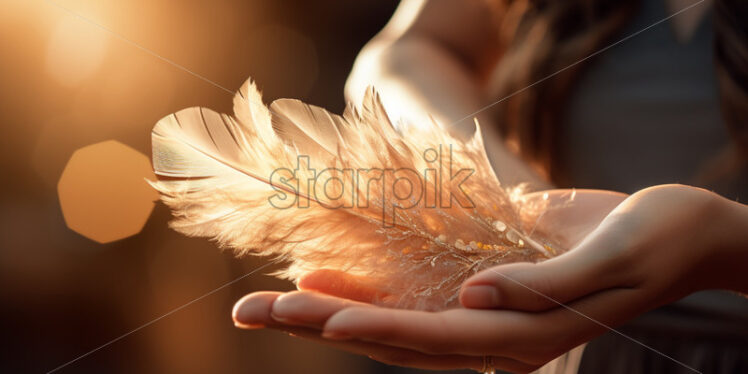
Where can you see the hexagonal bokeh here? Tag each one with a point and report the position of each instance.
(103, 193)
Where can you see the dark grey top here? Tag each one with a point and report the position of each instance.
(646, 112)
(648, 109)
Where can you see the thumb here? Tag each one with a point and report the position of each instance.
(589, 268)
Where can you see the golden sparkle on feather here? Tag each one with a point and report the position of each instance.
(351, 193)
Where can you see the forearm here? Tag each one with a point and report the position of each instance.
(415, 74)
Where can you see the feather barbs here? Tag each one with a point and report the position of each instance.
(409, 207)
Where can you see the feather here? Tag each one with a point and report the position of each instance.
(410, 208)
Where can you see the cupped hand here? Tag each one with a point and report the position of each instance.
(340, 313)
(568, 216)
(628, 257)
(661, 244)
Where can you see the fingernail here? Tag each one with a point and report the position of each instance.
(245, 316)
(335, 335)
(480, 296)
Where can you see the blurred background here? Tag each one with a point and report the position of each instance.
(85, 252)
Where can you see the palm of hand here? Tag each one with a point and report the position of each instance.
(576, 296)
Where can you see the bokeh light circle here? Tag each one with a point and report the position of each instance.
(103, 193)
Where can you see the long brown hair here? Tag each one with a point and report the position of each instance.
(542, 39)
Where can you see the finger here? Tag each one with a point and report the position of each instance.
(308, 308)
(409, 358)
(457, 331)
(593, 266)
(338, 283)
(253, 311)
(534, 338)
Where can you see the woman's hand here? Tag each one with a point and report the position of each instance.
(656, 246)
(453, 339)
(661, 243)
(306, 313)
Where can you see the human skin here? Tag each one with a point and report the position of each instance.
(658, 245)
(436, 57)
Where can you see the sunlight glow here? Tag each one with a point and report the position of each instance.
(75, 51)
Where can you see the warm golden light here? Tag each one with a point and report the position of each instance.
(103, 193)
(75, 51)
(76, 73)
